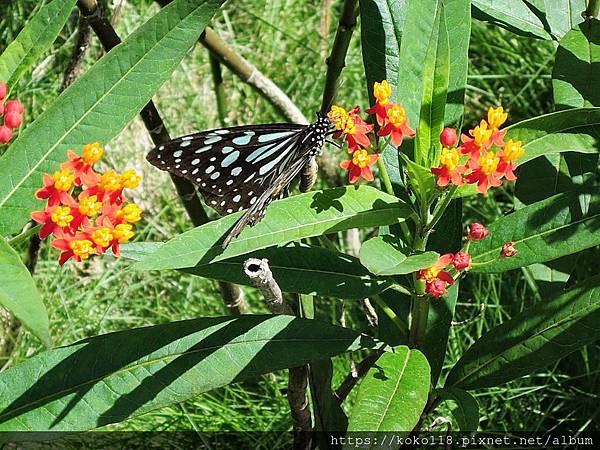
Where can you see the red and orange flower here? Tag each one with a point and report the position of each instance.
(85, 210)
(486, 165)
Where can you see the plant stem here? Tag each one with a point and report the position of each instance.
(215, 67)
(419, 302)
(385, 177)
(440, 208)
(337, 58)
(593, 9)
(391, 314)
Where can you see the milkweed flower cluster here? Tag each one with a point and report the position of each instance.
(489, 158)
(437, 278)
(87, 212)
(391, 118)
(12, 110)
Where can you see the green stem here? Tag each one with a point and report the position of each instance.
(215, 67)
(440, 208)
(385, 177)
(24, 235)
(391, 314)
(419, 303)
(593, 9)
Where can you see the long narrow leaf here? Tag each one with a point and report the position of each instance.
(98, 105)
(19, 295)
(535, 338)
(34, 39)
(108, 378)
(290, 219)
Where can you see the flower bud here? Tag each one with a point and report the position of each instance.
(13, 119)
(461, 261)
(448, 137)
(436, 288)
(477, 232)
(3, 90)
(14, 106)
(5, 134)
(508, 250)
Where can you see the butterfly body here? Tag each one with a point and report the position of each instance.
(243, 167)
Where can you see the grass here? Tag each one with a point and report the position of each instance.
(99, 297)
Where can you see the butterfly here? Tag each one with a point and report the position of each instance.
(245, 167)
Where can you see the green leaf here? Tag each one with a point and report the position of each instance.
(293, 218)
(34, 39)
(381, 32)
(436, 76)
(575, 76)
(466, 412)
(514, 15)
(533, 339)
(19, 295)
(419, 27)
(382, 256)
(573, 130)
(298, 268)
(562, 15)
(542, 232)
(109, 378)
(393, 394)
(458, 24)
(554, 174)
(98, 105)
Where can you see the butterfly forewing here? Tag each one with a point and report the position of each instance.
(242, 167)
(230, 166)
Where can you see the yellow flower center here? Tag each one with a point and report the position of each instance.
(341, 120)
(62, 216)
(123, 232)
(430, 274)
(482, 134)
(92, 153)
(90, 206)
(130, 213)
(102, 237)
(360, 158)
(130, 179)
(396, 115)
(63, 180)
(513, 150)
(489, 163)
(110, 181)
(82, 248)
(449, 158)
(382, 92)
(496, 117)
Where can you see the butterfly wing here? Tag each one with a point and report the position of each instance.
(232, 167)
(243, 167)
(276, 189)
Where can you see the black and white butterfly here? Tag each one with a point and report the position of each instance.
(243, 167)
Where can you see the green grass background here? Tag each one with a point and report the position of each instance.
(289, 41)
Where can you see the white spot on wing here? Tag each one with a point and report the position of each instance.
(230, 159)
(236, 171)
(215, 175)
(209, 169)
(185, 143)
(212, 140)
